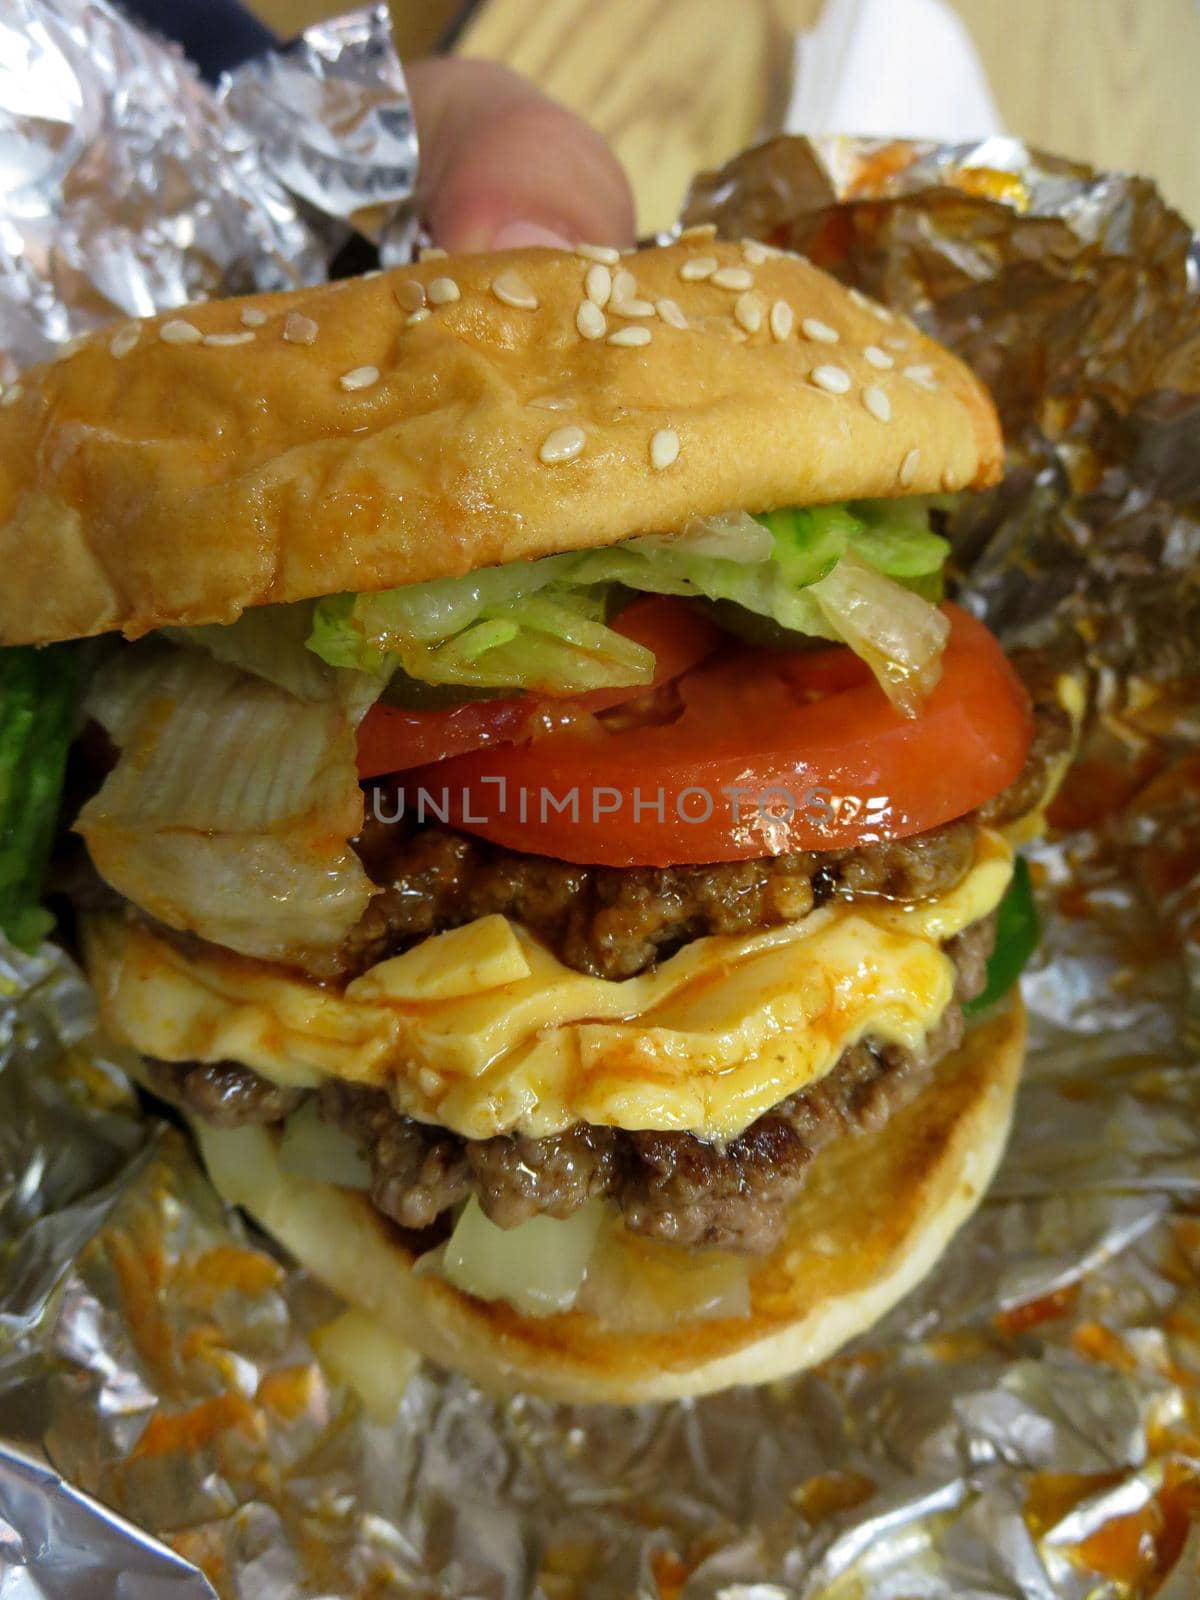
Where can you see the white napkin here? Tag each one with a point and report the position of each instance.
(902, 68)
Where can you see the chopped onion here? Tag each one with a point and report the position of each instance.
(319, 1150)
(236, 1158)
(730, 536)
(361, 1353)
(537, 1267)
(899, 635)
(637, 1285)
(230, 810)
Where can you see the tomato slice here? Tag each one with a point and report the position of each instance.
(391, 739)
(769, 752)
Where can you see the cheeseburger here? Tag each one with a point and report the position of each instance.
(533, 810)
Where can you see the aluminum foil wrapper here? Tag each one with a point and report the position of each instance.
(1027, 1424)
(130, 188)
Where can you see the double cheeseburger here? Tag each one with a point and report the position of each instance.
(533, 811)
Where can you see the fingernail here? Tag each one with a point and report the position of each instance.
(518, 235)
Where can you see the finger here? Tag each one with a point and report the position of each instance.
(502, 165)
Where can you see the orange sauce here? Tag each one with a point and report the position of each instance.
(670, 1573)
(990, 183)
(289, 1391)
(189, 1431)
(829, 1493)
(1021, 1319)
(141, 1271)
(1140, 1549)
(1051, 1495)
(875, 172)
(230, 1267)
(1097, 789)
(1095, 1342)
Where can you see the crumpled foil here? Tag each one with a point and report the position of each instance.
(1027, 1423)
(130, 188)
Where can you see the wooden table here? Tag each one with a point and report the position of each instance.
(678, 85)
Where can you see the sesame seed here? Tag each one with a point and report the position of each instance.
(782, 320)
(409, 294)
(431, 252)
(252, 317)
(11, 396)
(359, 378)
(814, 328)
(664, 449)
(590, 320)
(908, 468)
(699, 230)
(421, 314)
(633, 335)
(219, 339)
(698, 267)
(442, 292)
(748, 312)
(834, 380)
(672, 313)
(554, 402)
(894, 341)
(754, 252)
(878, 358)
(922, 375)
(733, 278)
(123, 342)
(564, 444)
(624, 285)
(511, 288)
(177, 331)
(597, 284)
(877, 403)
(599, 252)
(631, 308)
(298, 329)
(950, 481)
(72, 347)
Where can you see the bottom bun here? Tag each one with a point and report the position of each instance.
(877, 1212)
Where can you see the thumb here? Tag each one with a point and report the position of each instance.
(502, 165)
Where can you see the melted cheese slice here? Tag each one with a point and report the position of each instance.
(484, 1031)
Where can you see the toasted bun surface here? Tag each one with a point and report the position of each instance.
(325, 442)
(878, 1211)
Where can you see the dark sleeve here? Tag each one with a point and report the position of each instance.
(216, 34)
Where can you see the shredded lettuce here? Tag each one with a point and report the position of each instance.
(900, 636)
(228, 812)
(498, 629)
(268, 641)
(37, 723)
(539, 624)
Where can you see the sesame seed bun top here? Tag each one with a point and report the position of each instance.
(455, 414)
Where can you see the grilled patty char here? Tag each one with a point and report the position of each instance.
(670, 1186)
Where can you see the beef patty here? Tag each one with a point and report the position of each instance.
(614, 922)
(669, 1186)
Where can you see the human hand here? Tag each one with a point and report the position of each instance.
(503, 166)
